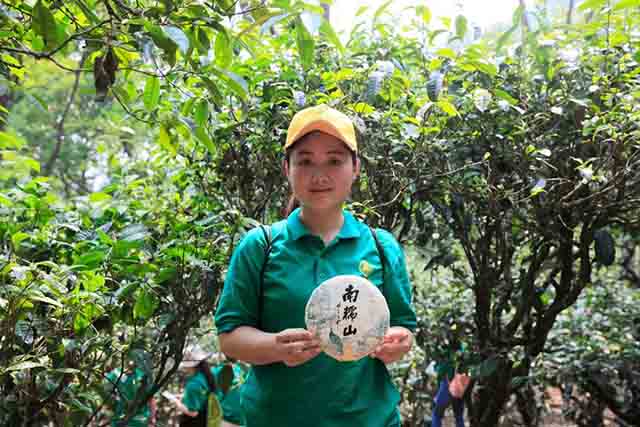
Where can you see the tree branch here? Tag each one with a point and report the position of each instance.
(60, 125)
(51, 53)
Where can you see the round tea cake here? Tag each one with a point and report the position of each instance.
(349, 315)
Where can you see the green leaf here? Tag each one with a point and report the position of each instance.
(591, 4)
(160, 39)
(424, 12)
(626, 4)
(446, 52)
(17, 238)
(461, 26)
(203, 136)
(80, 322)
(202, 112)
(164, 139)
(32, 164)
(5, 201)
(178, 37)
(203, 40)
(99, 197)
(223, 50)
(448, 108)
(11, 141)
(151, 95)
(499, 93)
(381, 10)
(134, 232)
(237, 84)
(47, 300)
(145, 305)
(44, 24)
(91, 260)
(361, 10)
(86, 10)
(305, 43)
(330, 34)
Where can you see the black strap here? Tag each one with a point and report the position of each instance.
(380, 254)
(266, 230)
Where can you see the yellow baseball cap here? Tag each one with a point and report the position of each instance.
(324, 119)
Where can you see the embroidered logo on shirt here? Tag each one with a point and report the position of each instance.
(365, 268)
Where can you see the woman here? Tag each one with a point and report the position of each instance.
(123, 388)
(193, 407)
(452, 386)
(260, 317)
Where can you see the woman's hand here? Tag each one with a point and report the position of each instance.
(396, 343)
(296, 346)
(458, 385)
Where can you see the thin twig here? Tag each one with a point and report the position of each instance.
(60, 125)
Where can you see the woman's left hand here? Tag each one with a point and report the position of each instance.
(397, 342)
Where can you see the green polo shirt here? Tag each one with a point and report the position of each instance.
(124, 387)
(321, 392)
(196, 392)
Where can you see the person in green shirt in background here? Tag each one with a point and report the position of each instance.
(260, 316)
(230, 399)
(122, 389)
(200, 383)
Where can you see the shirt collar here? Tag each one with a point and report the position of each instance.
(298, 230)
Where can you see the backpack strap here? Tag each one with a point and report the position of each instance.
(266, 230)
(383, 259)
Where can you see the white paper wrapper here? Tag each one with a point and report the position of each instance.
(349, 315)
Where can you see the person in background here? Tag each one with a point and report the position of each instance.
(229, 375)
(451, 383)
(122, 388)
(193, 407)
(260, 317)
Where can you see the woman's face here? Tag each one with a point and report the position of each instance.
(321, 171)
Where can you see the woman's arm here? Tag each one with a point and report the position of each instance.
(184, 410)
(291, 346)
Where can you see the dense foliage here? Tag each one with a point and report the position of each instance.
(511, 161)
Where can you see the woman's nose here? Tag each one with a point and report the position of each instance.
(319, 174)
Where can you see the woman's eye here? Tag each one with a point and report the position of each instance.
(304, 162)
(335, 162)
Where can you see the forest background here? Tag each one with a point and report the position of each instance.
(140, 139)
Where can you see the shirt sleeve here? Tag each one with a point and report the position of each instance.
(397, 288)
(238, 305)
(195, 395)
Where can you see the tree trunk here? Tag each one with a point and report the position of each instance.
(492, 393)
(572, 4)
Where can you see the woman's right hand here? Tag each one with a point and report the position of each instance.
(296, 346)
